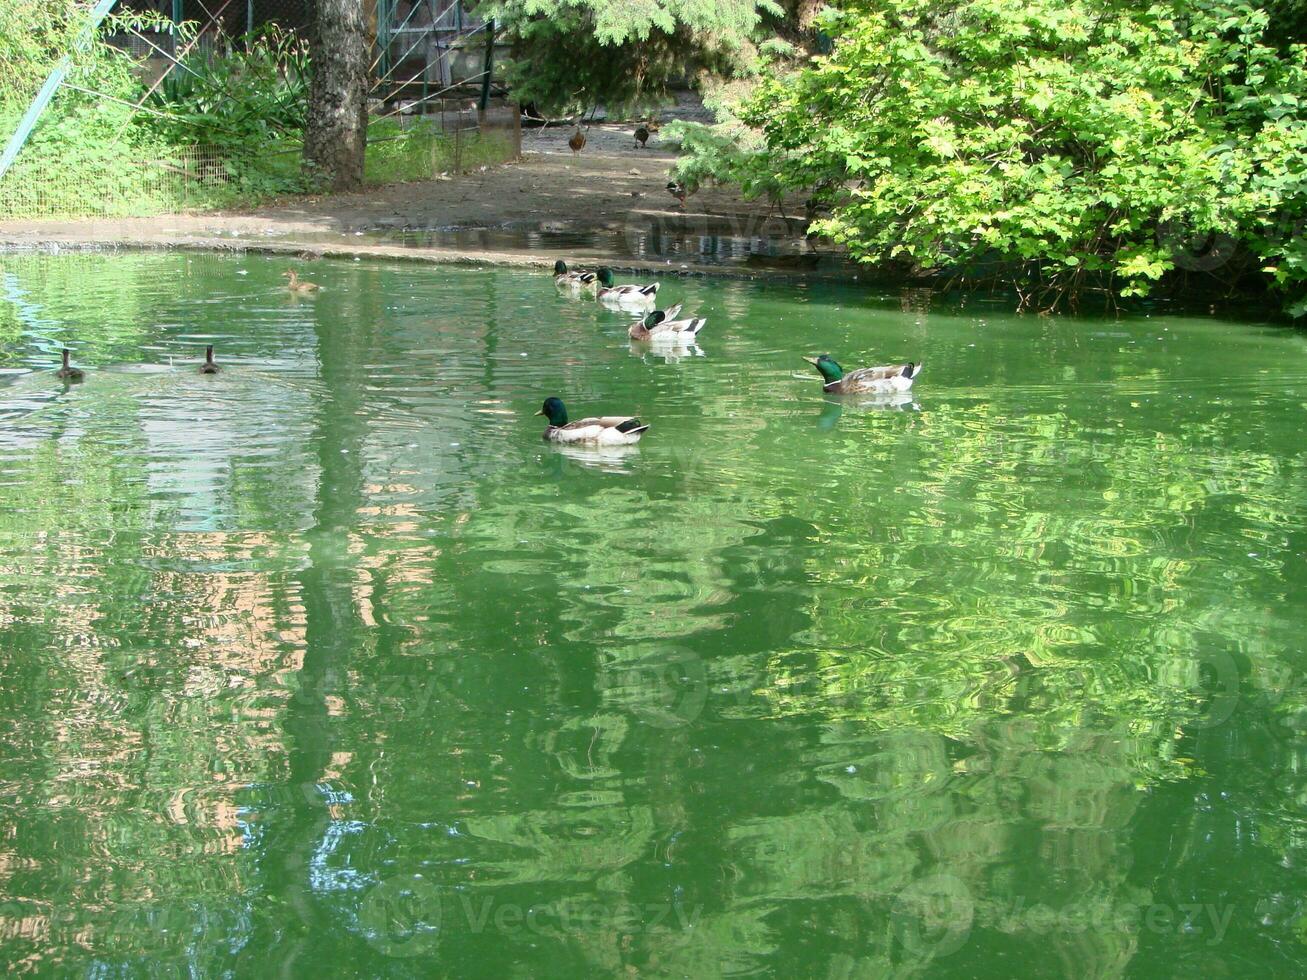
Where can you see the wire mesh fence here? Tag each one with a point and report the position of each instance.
(451, 137)
(123, 186)
(431, 61)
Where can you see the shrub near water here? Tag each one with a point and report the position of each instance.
(1086, 142)
(221, 130)
(245, 106)
(86, 147)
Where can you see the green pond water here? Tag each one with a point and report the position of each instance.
(328, 665)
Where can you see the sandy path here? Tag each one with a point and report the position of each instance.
(611, 185)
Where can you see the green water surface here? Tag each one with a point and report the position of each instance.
(328, 665)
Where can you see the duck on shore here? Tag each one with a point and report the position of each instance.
(680, 190)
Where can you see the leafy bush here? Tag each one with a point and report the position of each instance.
(571, 55)
(88, 144)
(1089, 143)
(255, 92)
(246, 104)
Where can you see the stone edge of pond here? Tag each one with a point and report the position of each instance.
(398, 253)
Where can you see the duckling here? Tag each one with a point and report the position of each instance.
(886, 378)
(662, 325)
(608, 430)
(68, 372)
(642, 134)
(577, 280)
(208, 367)
(298, 285)
(577, 141)
(626, 297)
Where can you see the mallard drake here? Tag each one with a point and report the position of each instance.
(886, 378)
(577, 141)
(208, 367)
(630, 296)
(608, 430)
(680, 190)
(68, 372)
(298, 285)
(575, 280)
(663, 325)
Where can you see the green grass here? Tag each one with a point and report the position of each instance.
(62, 179)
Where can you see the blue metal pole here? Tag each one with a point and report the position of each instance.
(52, 83)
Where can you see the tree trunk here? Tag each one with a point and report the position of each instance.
(336, 133)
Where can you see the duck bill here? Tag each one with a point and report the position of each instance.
(811, 360)
(541, 412)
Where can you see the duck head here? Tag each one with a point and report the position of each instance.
(554, 410)
(560, 268)
(830, 370)
(653, 319)
(605, 275)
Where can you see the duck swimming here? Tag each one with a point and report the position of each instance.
(298, 285)
(608, 430)
(883, 379)
(626, 297)
(68, 372)
(208, 367)
(663, 325)
(577, 280)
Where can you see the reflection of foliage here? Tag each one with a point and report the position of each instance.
(565, 843)
(969, 639)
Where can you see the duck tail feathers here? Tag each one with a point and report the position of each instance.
(649, 290)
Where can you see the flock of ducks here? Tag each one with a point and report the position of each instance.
(656, 326)
(666, 326)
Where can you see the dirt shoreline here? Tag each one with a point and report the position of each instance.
(612, 191)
